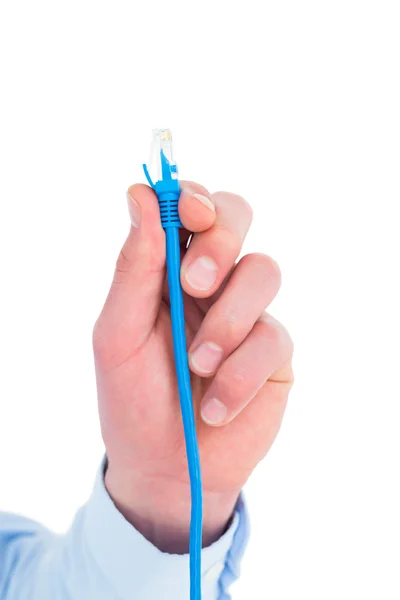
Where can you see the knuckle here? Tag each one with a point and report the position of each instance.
(272, 336)
(275, 333)
(233, 328)
(233, 384)
(266, 267)
(243, 206)
(239, 381)
(129, 260)
(270, 327)
(286, 340)
(238, 202)
(123, 263)
(230, 241)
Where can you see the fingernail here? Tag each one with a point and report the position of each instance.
(206, 357)
(213, 412)
(204, 200)
(134, 210)
(202, 273)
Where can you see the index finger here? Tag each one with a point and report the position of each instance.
(196, 207)
(213, 252)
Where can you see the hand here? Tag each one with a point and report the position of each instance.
(240, 359)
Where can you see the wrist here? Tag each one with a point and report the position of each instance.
(160, 510)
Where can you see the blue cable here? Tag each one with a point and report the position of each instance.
(168, 191)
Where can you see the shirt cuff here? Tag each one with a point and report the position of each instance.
(135, 567)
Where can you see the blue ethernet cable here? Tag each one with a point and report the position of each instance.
(167, 188)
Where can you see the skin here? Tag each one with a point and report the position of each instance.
(247, 367)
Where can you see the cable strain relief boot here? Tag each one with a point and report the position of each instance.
(168, 202)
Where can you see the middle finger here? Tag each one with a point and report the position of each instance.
(252, 287)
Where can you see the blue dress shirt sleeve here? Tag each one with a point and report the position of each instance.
(103, 557)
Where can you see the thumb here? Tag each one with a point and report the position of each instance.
(133, 302)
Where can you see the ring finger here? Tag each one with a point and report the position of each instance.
(263, 354)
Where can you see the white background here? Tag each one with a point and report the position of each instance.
(294, 105)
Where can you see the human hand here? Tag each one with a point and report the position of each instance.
(239, 356)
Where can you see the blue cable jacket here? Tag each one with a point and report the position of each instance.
(185, 396)
(168, 191)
